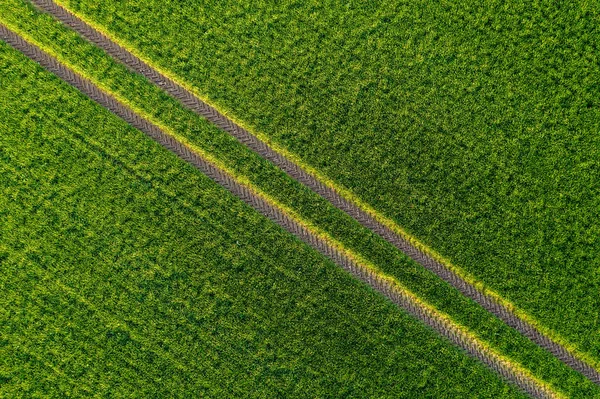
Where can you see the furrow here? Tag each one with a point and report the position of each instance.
(396, 294)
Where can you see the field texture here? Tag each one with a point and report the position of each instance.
(139, 93)
(474, 127)
(125, 271)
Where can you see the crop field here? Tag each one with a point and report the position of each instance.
(124, 276)
(472, 127)
(128, 272)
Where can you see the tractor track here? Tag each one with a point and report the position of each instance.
(402, 299)
(189, 100)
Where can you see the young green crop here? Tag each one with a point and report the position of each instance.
(132, 274)
(473, 126)
(139, 93)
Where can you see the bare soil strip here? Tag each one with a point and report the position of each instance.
(402, 298)
(296, 172)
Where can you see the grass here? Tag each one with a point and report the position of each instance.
(130, 273)
(474, 127)
(151, 102)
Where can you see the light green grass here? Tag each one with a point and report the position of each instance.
(474, 127)
(128, 273)
(139, 93)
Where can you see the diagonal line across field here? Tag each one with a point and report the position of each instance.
(388, 287)
(191, 101)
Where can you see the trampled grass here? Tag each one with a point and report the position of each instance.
(127, 272)
(474, 127)
(139, 93)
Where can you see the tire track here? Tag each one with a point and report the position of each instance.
(189, 100)
(401, 298)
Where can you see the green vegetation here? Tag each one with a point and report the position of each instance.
(473, 126)
(126, 271)
(139, 93)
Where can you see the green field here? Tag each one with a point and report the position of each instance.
(126, 272)
(473, 127)
(130, 273)
(140, 93)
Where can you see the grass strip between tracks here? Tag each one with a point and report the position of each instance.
(309, 234)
